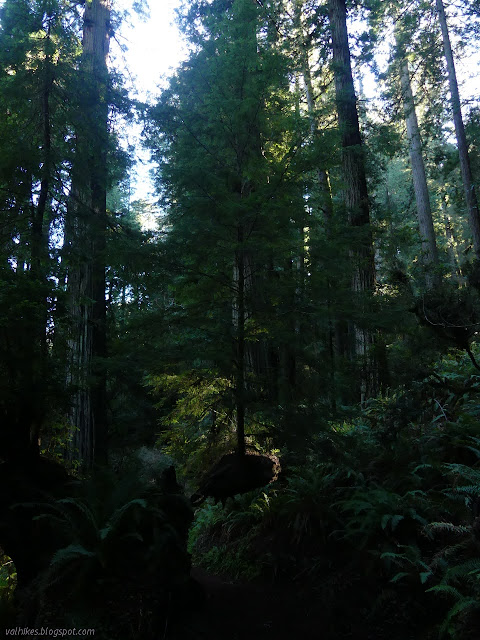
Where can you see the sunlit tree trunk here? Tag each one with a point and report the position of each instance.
(452, 242)
(468, 185)
(422, 199)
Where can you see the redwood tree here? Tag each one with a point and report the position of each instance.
(85, 236)
(422, 198)
(355, 190)
(467, 179)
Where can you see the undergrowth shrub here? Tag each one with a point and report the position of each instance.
(8, 583)
(455, 567)
(220, 538)
(123, 544)
(365, 518)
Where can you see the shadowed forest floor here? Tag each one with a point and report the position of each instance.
(249, 611)
(235, 610)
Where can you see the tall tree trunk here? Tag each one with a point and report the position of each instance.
(87, 227)
(322, 175)
(468, 185)
(335, 328)
(355, 189)
(451, 240)
(326, 206)
(32, 411)
(422, 199)
(239, 311)
(39, 255)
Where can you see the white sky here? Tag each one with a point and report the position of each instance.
(154, 45)
(154, 49)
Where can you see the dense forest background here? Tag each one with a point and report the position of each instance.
(297, 329)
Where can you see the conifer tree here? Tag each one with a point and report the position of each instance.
(226, 140)
(422, 197)
(467, 179)
(355, 190)
(416, 90)
(303, 49)
(85, 238)
(37, 54)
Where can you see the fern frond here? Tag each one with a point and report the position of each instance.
(392, 519)
(424, 576)
(469, 473)
(447, 589)
(399, 576)
(469, 490)
(118, 515)
(473, 450)
(57, 512)
(466, 569)
(88, 518)
(72, 552)
(421, 467)
(454, 550)
(462, 605)
(449, 527)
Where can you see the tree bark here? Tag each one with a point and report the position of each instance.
(451, 240)
(422, 199)
(322, 175)
(355, 188)
(87, 235)
(239, 322)
(467, 179)
(325, 199)
(32, 412)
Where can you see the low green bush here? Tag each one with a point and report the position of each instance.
(381, 518)
(8, 583)
(122, 546)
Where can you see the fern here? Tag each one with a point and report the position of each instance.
(73, 551)
(464, 571)
(463, 604)
(470, 474)
(114, 529)
(448, 527)
(410, 561)
(460, 565)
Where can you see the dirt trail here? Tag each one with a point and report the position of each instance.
(237, 611)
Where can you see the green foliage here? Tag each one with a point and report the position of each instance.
(220, 539)
(456, 564)
(375, 504)
(57, 437)
(8, 582)
(211, 547)
(116, 530)
(199, 425)
(227, 141)
(380, 506)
